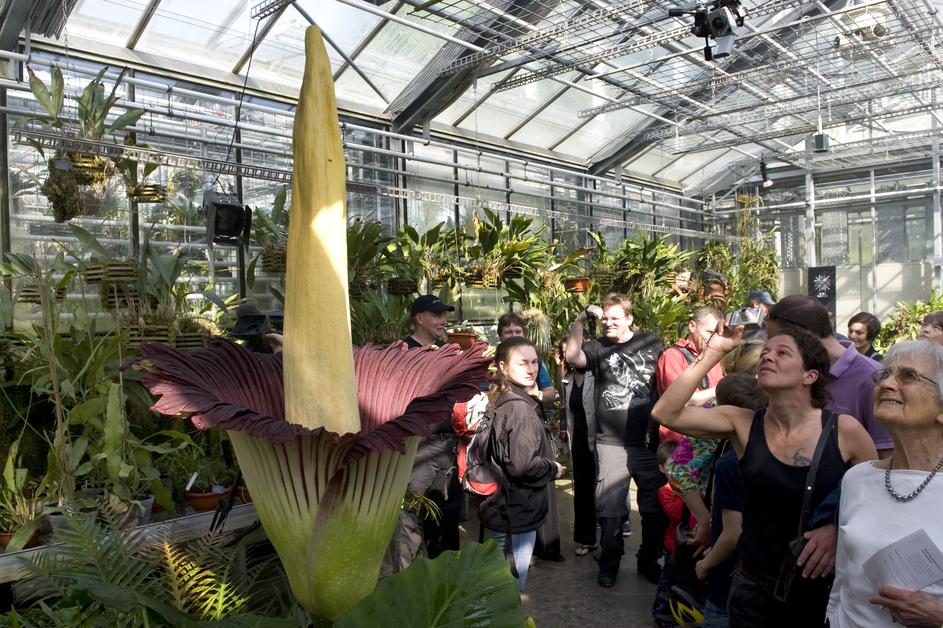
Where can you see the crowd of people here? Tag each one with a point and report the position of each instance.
(784, 473)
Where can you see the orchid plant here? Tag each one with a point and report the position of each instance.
(325, 435)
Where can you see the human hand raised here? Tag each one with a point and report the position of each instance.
(592, 310)
(725, 338)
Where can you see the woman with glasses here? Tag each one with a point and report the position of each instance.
(776, 446)
(886, 500)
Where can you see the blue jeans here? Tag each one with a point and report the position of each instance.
(522, 546)
(714, 616)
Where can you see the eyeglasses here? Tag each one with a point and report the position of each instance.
(903, 374)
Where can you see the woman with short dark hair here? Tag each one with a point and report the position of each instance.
(776, 448)
(863, 328)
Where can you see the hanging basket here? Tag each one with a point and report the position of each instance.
(576, 284)
(115, 295)
(403, 286)
(91, 169)
(604, 280)
(190, 340)
(147, 193)
(437, 283)
(110, 271)
(32, 293)
(275, 258)
(476, 279)
(149, 333)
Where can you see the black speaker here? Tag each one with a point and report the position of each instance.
(820, 143)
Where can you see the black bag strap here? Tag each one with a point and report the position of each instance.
(831, 421)
(689, 357)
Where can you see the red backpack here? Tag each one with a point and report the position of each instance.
(473, 422)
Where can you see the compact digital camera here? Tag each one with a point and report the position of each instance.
(746, 316)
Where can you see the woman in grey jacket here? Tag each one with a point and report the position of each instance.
(518, 446)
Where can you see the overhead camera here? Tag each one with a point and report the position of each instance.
(721, 22)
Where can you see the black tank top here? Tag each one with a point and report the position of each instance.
(772, 497)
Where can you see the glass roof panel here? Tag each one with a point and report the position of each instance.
(351, 86)
(502, 111)
(398, 53)
(458, 108)
(213, 34)
(106, 20)
(281, 55)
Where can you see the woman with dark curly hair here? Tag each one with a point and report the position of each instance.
(776, 447)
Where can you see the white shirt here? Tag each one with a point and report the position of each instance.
(869, 520)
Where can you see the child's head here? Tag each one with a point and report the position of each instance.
(741, 390)
(664, 453)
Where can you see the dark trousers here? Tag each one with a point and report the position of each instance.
(584, 485)
(433, 476)
(617, 465)
(751, 602)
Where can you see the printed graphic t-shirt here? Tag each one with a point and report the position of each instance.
(625, 387)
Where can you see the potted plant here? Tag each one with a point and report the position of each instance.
(210, 481)
(270, 233)
(21, 509)
(463, 335)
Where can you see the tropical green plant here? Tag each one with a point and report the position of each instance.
(21, 508)
(430, 256)
(379, 319)
(500, 251)
(102, 575)
(442, 592)
(68, 171)
(904, 322)
(366, 245)
(44, 344)
(270, 233)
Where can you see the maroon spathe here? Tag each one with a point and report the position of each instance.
(400, 392)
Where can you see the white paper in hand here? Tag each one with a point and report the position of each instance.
(910, 563)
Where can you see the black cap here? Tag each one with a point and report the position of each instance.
(250, 321)
(429, 303)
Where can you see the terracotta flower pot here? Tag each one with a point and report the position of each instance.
(463, 339)
(242, 492)
(576, 284)
(203, 502)
(6, 537)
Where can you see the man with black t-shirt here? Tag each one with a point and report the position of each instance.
(623, 364)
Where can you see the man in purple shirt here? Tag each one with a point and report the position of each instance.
(849, 381)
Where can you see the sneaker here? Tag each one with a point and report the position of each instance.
(627, 528)
(606, 580)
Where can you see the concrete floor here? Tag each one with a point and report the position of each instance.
(566, 594)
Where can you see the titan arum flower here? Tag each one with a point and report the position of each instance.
(325, 434)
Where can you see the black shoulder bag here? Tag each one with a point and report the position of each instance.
(790, 570)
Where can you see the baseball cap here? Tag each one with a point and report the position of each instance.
(429, 303)
(250, 321)
(762, 296)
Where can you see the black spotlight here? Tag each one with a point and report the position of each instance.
(228, 221)
(764, 174)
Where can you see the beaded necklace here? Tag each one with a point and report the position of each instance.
(916, 491)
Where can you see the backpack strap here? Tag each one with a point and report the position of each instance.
(689, 358)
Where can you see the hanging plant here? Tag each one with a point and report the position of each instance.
(62, 190)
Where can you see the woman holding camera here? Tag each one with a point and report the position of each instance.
(777, 446)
